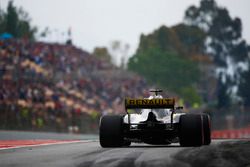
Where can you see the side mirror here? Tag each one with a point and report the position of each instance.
(179, 108)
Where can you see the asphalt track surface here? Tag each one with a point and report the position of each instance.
(87, 152)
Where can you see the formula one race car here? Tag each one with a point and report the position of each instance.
(154, 120)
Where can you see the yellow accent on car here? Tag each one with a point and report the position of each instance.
(149, 103)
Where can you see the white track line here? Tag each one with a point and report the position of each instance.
(47, 144)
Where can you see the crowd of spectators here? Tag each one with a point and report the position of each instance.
(54, 87)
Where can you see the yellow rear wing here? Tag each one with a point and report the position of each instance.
(149, 103)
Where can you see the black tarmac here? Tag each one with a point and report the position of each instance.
(89, 154)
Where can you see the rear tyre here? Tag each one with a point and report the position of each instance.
(206, 129)
(110, 132)
(190, 130)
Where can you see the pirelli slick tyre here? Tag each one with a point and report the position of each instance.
(110, 132)
(206, 129)
(191, 130)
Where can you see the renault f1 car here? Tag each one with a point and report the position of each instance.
(154, 120)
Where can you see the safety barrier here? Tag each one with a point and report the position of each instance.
(231, 134)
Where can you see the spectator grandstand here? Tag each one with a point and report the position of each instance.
(53, 87)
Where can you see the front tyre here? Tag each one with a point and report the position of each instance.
(111, 131)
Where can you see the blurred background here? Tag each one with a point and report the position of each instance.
(63, 64)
